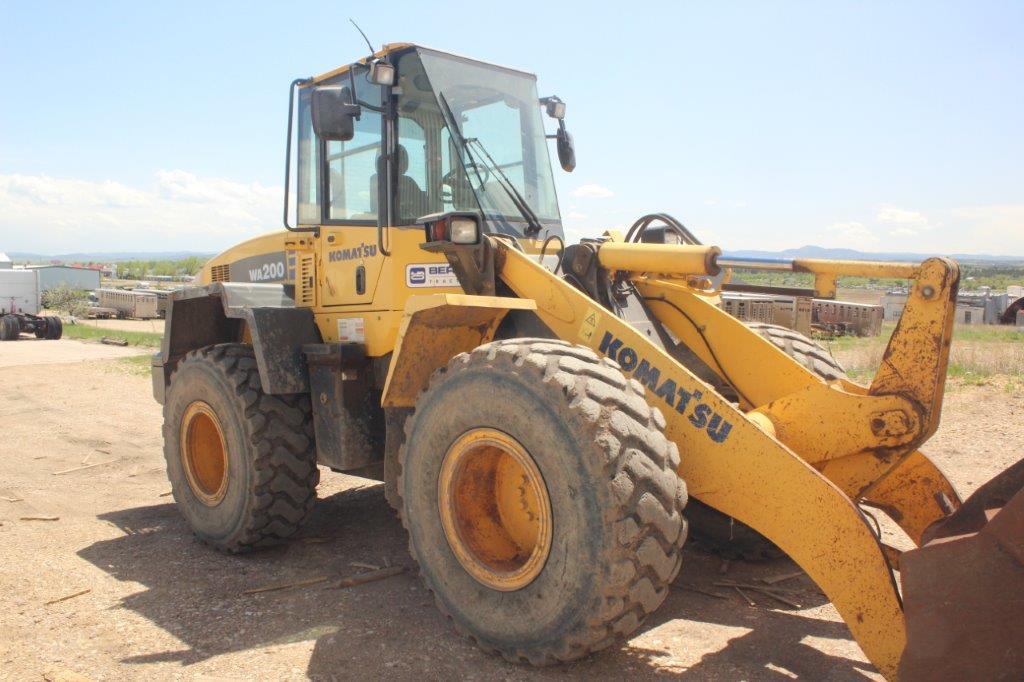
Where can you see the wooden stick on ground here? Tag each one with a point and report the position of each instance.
(359, 564)
(285, 586)
(70, 596)
(693, 588)
(754, 586)
(370, 576)
(39, 518)
(780, 598)
(87, 466)
(771, 580)
(768, 592)
(744, 595)
(14, 499)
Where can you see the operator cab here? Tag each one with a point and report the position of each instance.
(412, 132)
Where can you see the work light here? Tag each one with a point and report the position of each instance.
(464, 230)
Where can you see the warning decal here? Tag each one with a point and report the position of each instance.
(351, 330)
(589, 326)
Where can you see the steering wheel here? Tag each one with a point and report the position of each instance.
(473, 168)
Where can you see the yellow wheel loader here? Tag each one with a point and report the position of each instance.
(540, 411)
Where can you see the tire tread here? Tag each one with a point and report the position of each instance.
(640, 469)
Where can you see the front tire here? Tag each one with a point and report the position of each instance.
(590, 469)
(242, 463)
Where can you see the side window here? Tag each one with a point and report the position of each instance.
(413, 185)
(352, 166)
(308, 176)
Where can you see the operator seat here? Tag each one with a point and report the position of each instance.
(412, 201)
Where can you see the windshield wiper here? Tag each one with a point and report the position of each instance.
(533, 223)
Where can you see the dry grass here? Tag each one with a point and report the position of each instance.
(978, 354)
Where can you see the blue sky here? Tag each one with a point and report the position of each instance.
(879, 126)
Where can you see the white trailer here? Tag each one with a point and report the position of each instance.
(19, 307)
(19, 292)
(139, 305)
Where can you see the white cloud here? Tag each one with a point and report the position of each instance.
(853, 233)
(996, 229)
(900, 216)
(1005, 218)
(903, 232)
(575, 215)
(178, 210)
(47, 191)
(904, 223)
(592, 192)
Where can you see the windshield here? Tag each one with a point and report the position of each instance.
(500, 141)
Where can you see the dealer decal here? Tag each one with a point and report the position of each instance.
(701, 416)
(421, 275)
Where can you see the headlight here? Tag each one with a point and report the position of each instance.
(464, 230)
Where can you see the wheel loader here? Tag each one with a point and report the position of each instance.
(541, 412)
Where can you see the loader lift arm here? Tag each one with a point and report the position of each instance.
(809, 450)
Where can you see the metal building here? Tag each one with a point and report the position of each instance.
(53, 276)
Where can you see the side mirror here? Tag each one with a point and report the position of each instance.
(566, 149)
(334, 112)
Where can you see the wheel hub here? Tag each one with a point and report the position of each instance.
(204, 454)
(495, 509)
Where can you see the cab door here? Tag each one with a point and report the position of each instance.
(349, 262)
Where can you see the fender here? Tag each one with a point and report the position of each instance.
(434, 329)
(223, 312)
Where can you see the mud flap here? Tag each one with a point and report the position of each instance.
(963, 589)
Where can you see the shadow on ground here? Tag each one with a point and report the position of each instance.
(198, 596)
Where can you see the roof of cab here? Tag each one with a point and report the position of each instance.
(388, 48)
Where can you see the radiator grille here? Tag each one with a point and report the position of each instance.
(305, 282)
(220, 273)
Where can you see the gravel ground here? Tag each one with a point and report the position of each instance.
(160, 606)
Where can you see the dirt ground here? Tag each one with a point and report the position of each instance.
(29, 351)
(160, 606)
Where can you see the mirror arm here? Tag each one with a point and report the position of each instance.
(288, 153)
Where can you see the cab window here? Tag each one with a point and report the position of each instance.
(352, 177)
(429, 176)
(307, 189)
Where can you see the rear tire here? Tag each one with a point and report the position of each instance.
(722, 534)
(608, 472)
(54, 328)
(802, 349)
(256, 487)
(10, 328)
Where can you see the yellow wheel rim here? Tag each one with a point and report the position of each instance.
(204, 455)
(495, 509)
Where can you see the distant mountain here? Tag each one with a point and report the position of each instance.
(107, 256)
(853, 254)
